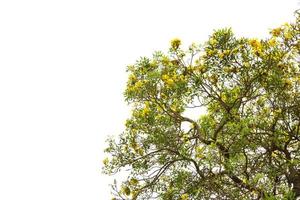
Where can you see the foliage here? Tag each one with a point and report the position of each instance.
(246, 145)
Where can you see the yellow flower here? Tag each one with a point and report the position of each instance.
(105, 161)
(185, 137)
(170, 82)
(182, 78)
(276, 32)
(244, 180)
(132, 77)
(190, 68)
(272, 42)
(255, 44)
(286, 25)
(199, 152)
(254, 192)
(213, 79)
(210, 52)
(159, 109)
(125, 190)
(221, 55)
(165, 60)
(140, 151)
(213, 41)
(158, 117)
(227, 69)
(288, 82)
(163, 96)
(235, 50)
(201, 68)
(147, 104)
(133, 181)
(223, 97)
(247, 64)
(227, 52)
(287, 35)
(165, 77)
(133, 145)
(184, 197)
(175, 43)
(138, 84)
(145, 111)
(199, 149)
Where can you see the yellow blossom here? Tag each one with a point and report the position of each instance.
(184, 197)
(227, 52)
(165, 60)
(159, 109)
(147, 104)
(227, 69)
(199, 149)
(170, 82)
(105, 161)
(247, 64)
(133, 144)
(145, 111)
(175, 43)
(132, 77)
(175, 108)
(221, 55)
(138, 84)
(190, 68)
(274, 155)
(276, 32)
(140, 151)
(255, 44)
(213, 41)
(245, 180)
(254, 192)
(165, 77)
(133, 181)
(223, 97)
(213, 79)
(272, 42)
(163, 96)
(182, 78)
(185, 137)
(210, 52)
(235, 50)
(199, 152)
(125, 190)
(201, 68)
(158, 117)
(288, 82)
(287, 35)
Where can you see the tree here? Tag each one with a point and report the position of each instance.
(247, 143)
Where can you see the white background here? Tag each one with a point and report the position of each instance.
(62, 75)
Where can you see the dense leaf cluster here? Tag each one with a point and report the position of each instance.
(247, 143)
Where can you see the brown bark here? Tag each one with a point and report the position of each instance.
(296, 184)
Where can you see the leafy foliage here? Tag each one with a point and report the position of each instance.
(247, 144)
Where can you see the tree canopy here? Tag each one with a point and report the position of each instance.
(246, 145)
